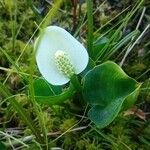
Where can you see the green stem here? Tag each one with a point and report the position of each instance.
(90, 27)
(75, 82)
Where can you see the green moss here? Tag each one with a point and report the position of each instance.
(67, 124)
(122, 134)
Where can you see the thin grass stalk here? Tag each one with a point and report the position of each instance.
(36, 108)
(103, 52)
(21, 112)
(90, 27)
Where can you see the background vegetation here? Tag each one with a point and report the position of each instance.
(117, 30)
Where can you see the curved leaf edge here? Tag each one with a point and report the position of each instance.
(105, 63)
(115, 114)
(105, 123)
(56, 99)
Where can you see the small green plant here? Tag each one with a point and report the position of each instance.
(106, 87)
(80, 98)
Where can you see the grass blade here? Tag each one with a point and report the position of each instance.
(90, 27)
(21, 112)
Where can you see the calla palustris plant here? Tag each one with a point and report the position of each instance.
(61, 58)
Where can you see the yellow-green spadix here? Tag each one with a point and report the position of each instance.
(59, 55)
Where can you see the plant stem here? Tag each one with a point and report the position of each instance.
(90, 27)
(75, 82)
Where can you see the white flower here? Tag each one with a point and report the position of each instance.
(59, 55)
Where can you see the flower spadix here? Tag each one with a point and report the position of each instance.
(59, 55)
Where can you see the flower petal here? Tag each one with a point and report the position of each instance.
(53, 39)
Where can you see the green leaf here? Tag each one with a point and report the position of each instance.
(106, 87)
(2, 146)
(89, 67)
(48, 94)
(43, 88)
(56, 99)
(131, 99)
(104, 115)
(121, 43)
(99, 45)
(107, 82)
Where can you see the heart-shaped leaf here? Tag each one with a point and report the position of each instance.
(105, 83)
(106, 87)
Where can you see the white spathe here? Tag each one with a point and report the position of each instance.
(52, 39)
